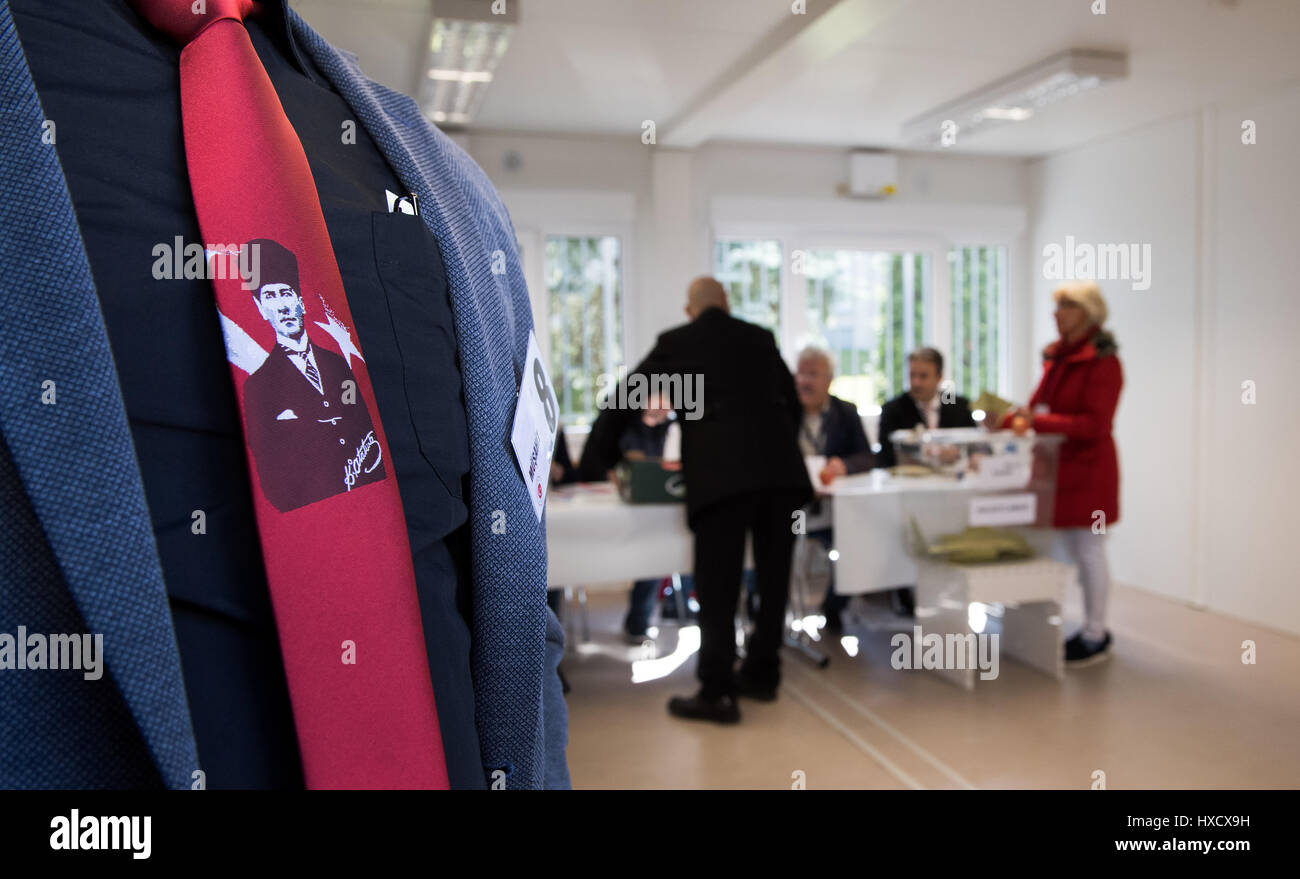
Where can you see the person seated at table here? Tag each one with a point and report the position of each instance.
(562, 473)
(562, 470)
(832, 428)
(922, 403)
(611, 439)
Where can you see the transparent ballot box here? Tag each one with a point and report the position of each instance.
(981, 549)
(947, 482)
(1020, 468)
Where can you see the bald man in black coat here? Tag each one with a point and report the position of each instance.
(744, 475)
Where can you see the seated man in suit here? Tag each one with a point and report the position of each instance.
(922, 403)
(612, 437)
(833, 428)
(562, 470)
(830, 426)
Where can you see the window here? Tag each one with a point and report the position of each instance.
(868, 309)
(979, 277)
(585, 309)
(871, 303)
(751, 272)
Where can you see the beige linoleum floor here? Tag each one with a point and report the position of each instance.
(1174, 708)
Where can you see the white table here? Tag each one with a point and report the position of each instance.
(595, 539)
(872, 513)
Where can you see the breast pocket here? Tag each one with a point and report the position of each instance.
(415, 284)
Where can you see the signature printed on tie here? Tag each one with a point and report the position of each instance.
(353, 468)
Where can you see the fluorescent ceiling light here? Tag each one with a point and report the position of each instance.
(460, 75)
(1018, 97)
(466, 45)
(1007, 114)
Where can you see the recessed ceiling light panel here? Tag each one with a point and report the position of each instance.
(466, 45)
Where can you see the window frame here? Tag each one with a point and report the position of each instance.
(939, 298)
(540, 213)
(1004, 300)
(782, 318)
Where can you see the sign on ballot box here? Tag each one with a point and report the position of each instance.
(1004, 509)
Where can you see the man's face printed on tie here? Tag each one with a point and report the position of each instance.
(282, 307)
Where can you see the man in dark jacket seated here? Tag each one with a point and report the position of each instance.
(830, 427)
(922, 403)
(610, 440)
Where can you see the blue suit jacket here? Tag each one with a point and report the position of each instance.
(77, 552)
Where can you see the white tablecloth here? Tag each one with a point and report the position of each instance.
(872, 513)
(593, 538)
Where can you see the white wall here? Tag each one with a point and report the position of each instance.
(572, 185)
(1252, 473)
(1205, 515)
(674, 196)
(1139, 189)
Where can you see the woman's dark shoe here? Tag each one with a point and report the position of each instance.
(723, 709)
(1081, 652)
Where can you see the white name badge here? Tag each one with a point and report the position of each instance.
(537, 417)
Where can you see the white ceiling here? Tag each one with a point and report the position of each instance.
(748, 70)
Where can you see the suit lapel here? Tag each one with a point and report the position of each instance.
(830, 423)
(74, 454)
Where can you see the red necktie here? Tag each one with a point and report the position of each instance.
(328, 511)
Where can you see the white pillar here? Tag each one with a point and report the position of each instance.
(672, 257)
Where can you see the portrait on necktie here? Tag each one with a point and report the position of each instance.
(309, 430)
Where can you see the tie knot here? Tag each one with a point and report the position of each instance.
(183, 20)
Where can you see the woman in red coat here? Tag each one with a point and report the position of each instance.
(1077, 396)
